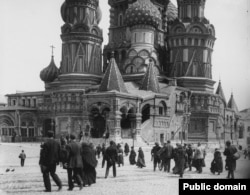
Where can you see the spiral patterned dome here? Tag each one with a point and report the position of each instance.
(50, 73)
(171, 12)
(143, 12)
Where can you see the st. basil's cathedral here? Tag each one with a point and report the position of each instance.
(151, 83)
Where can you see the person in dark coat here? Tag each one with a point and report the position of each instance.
(22, 157)
(155, 156)
(199, 156)
(103, 151)
(230, 160)
(245, 153)
(75, 164)
(126, 149)
(175, 156)
(49, 159)
(190, 152)
(140, 160)
(166, 156)
(120, 160)
(89, 164)
(181, 159)
(132, 156)
(111, 158)
(217, 163)
(98, 150)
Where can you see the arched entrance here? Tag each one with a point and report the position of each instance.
(128, 120)
(99, 124)
(6, 126)
(145, 113)
(48, 125)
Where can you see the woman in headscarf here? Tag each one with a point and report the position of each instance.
(120, 156)
(140, 160)
(126, 149)
(89, 164)
(132, 156)
(181, 156)
(217, 163)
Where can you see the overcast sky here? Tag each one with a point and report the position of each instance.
(29, 27)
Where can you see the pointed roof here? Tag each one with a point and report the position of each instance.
(220, 92)
(150, 81)
(232, 105)
(112, 79)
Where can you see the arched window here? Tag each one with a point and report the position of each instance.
(145, 113)
(241, 132)
(120, 20)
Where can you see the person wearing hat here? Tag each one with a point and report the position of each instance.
(230, 160)
(155, 155)
(167, 154)
(22, 156)
(49, 159)
(190, 152)
(111, 156)
(75, 163)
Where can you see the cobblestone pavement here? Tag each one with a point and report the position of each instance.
(130, 180)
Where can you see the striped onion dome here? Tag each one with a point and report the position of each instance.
(50, 73)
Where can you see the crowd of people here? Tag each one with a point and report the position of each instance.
(80, 159)
(187, 156)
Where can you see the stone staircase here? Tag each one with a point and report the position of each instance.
(197, 137)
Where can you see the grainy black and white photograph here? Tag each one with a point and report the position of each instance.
(123, 97)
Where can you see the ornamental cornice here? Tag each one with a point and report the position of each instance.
(81, 37)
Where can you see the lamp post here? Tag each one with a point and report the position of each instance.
(186, 116)
(133, 136)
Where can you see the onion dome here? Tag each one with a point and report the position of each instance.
(171, 12)
(50, 73)
(67, 8)
(98, 14)
(143, 12)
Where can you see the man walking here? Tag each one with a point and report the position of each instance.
(189, 151)
(168, 154)
(22, 156)
(111, 156)
(49, 159)
(75, 163)
(155, 155)
(229, 152)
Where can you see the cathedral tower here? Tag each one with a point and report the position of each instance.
(191, 40)
(81, 64)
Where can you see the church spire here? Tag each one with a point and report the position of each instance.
(112, 79)
(232, 104)
(150, 81)
(220, 92)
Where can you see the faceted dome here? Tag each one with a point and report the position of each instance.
(143, 12)
(67, 8)
(50, 73)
